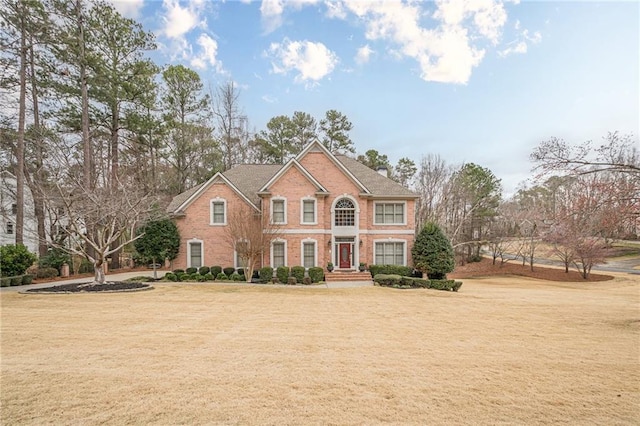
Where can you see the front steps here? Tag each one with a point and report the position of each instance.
(341, 276)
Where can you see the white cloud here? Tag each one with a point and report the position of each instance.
(520, 45)
(180, 20)
(335, 10)
(269, 99)
(445, 52)
(271, 11)
(312, 61)
(129, 8)
(208, 54)
(364, 54)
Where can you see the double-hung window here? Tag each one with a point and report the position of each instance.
(278, 211)
(309, 254)
(390, 253)
(389, 214)
(277, 252)
(309, 211)
(218, 212)
(195, 254)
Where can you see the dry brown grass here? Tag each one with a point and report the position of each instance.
(502, 351)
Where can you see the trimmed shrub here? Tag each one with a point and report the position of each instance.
(292, 281)
(141, 278)
(15, 260)
(17, 280)
(432, 252)
(446, 285)
(181, 276)
(387, 280)
(316, 274)
(228, 271)
(46, 273)
(170, 276)
(282, 273)
(194, 276)
(240, 271)
(200, 278)
(306, 281)
(178, 271)
(221, 277)
(237, 277)
(209, 277)
(266, 273)
(191, 270)
(215, 270)
(456, 285)
(5, 282)
(204, 270)
(298, 272)
(55, 258)
(404, 271)
(413, 282)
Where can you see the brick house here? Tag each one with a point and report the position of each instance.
(330, 208)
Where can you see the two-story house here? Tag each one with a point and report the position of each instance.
(330, 208)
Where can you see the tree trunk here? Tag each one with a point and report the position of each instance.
(99, 276)
(21, 130)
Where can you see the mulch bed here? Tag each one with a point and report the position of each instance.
(116, 286)
(486, 268)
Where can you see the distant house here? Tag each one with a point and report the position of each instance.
(330, 208)
(9, 210)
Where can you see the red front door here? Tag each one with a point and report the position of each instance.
(345, 256)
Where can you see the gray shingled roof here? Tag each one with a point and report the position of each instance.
(181, 198)
(374, 181)
(249, 178)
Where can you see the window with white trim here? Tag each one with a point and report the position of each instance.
(309, 211)
(389, 214)
(278, 211)
(218, 212)
(309, 254)
(390, 253)
(345, 213)
(241, 254)
(278, 254)
(195, 254)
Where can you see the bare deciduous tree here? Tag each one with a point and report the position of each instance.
(250, 234)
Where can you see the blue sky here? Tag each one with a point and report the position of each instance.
(480, 81)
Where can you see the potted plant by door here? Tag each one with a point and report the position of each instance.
(330, 267)
(362, 267)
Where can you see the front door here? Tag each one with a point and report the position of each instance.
(345, 256)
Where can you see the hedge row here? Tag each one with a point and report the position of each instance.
(16, 281)
(398, 281)
(294, 275)
(195, 274)
(404, 271)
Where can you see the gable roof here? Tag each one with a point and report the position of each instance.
(377, 185)
(293, 163)
(249, 180)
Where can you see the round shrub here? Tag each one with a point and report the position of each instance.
(15, 260)
(215, 270)
(46, 273)
(282, 273)
(193, 276)
(204, 270)
(432, 252)
(178, 271)
(266, 274)
(209, 277)
(170, 276)
(316, 274)
(306, 281)
(181, 276)
(221, 276)
(191, 270)
(200, 278)
(55, 258)
(237, 277)
(228, 271)
(298, 273)
(240, 271)
(292, 281)
(27, 279)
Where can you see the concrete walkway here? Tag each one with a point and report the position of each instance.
(126, 275)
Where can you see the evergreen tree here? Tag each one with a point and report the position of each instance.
(432, 252)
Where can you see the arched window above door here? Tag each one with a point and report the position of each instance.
(345, 212)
